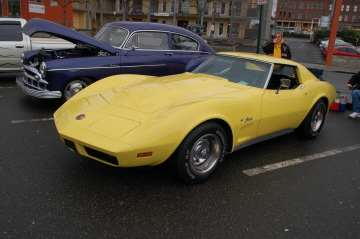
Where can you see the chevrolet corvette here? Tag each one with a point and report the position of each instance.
(193, 119)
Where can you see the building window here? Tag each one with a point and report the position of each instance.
(347, 8)
(222, 8)
(353, 18)
(307, 5)
(137, 6)
(290, 4)
(154, 6)
(342, 7)
(164, 6)
(14, 8)
(317, 6)
(37, 1)
(289, 14)
(281, 4)
(345, 18)
(300, 15)
(340, 18)
(301, 5)
(355, 8)
(330, 7)
(294, 5)
(312, 5)
(322, 6)
(172, 6)
(280, 14)
(206, 9)
(359, 19)
(285, 4)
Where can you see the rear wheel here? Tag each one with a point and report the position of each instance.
(200, 154)
(314, 121)
(75, 86)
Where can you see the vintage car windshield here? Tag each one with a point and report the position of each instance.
(114, 36)
(238, 70)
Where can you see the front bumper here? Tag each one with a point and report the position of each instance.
(44, 94)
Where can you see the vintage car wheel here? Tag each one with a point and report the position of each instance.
(74, 87)
(200, 154)
(312, 124)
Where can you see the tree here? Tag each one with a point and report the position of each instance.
(126, 4)
(93, 22)
(200, 7)
(64, 4)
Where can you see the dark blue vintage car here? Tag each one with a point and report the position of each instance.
(118, 48)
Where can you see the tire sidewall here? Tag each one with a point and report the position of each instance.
(305, 128)
(184, 169)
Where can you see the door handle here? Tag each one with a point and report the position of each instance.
(169, 54)
(19, 46)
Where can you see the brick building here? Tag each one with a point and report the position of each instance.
(50, 10)
(305, 15)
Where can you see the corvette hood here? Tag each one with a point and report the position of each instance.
(156, 93)
(39, 25)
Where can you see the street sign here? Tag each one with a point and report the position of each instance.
(260, 2)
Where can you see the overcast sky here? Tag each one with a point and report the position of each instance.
(274, 6)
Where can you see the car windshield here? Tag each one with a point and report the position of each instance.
(114, 36)
(238, 70)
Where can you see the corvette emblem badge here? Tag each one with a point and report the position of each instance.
(80, 117)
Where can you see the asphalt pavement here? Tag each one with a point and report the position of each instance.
(311, 188)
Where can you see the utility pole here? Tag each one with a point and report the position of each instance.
(212, 27)
(333, 31)
(174, 13)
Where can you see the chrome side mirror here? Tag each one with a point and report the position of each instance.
(284, 83)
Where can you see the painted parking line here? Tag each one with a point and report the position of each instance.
(287, 163)
(31, 120)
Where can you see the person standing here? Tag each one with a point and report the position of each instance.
(277, 48)
(354, 84)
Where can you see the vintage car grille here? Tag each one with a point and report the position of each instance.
(70, 144)
(94, 153)
(102, 156)
(32, 77)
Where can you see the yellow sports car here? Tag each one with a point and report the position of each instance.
(192, 120)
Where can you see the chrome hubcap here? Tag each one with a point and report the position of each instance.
(73, 89)
(317, 118)
(205, 153)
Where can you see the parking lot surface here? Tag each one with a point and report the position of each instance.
(281, 188)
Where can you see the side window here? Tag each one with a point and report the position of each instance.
(289, 72)
(342, 50)
(149, 40)
(180, 42)
(352, 51)
(10, 31)
(113, 35)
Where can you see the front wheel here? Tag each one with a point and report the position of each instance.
(200, 154)
(314, 121)
(74, 87)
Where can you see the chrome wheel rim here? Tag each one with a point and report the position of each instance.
(73, 88)
(317, 118)
(205, 153)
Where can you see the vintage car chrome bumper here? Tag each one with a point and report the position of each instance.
(44, 94)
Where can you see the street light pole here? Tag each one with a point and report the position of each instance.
(259, 32)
